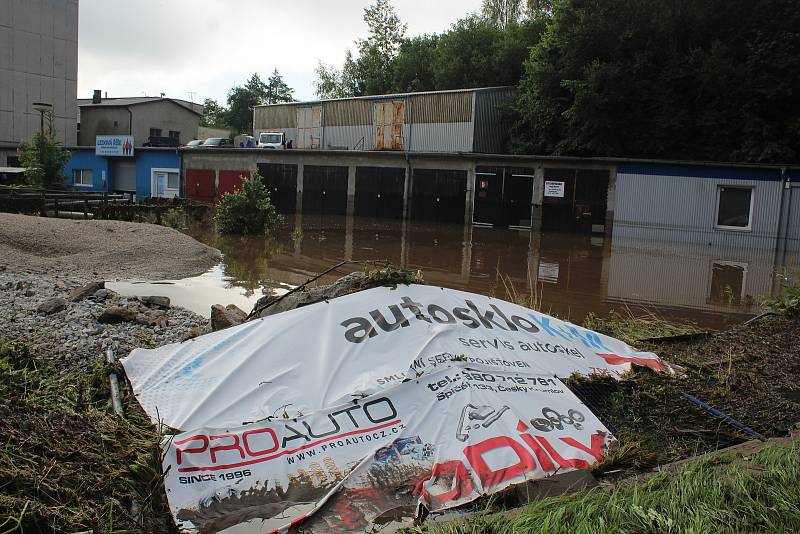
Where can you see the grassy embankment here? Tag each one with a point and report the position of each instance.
(721, 493)
(67, 463)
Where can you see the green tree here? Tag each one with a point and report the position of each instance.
(247, 211)
(214, 115)
(372, 71)
(277, 90)
(501, 13)
(715, 80)
(44, 159)
(413, 66)
(242, 100)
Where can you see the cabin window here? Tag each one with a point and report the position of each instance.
(734, 207)
(82, 177)
(155, 132)
(172, 181)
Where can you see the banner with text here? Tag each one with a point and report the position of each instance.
(323, 354)
(439, 441)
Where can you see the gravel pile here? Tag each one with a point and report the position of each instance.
(39, 310)
(100, 250)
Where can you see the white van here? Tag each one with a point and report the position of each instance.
(273, 140)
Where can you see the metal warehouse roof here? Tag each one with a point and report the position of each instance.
(390, 96)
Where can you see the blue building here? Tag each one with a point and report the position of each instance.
(149, 172)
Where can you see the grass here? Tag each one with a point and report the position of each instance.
(719, 494)
(67, 463)
(789, 298)
(632, 327)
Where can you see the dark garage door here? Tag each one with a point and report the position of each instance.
(379, 192)
(324, 190)
(438, 195)
(281, 180)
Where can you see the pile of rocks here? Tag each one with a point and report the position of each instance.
(71, 322)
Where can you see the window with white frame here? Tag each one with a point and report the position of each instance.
(172, 181)
(734, 207)
(82, 177)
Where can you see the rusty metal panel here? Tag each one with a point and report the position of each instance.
(389, 120)
(441, 107)
(350, 112)
(274, 117)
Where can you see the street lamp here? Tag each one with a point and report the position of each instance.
(42, 108)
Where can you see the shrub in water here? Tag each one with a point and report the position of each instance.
(248, 211)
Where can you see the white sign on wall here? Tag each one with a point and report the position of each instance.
(114, 145)
(554, 189)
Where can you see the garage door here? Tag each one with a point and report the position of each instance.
(123, 176)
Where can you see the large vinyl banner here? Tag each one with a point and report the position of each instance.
(438, 441)
(325, 354)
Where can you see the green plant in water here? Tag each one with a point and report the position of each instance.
(297, 236)
(789, 297)
(248, 211)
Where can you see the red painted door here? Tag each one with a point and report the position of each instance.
(230, 181)
(200, 185)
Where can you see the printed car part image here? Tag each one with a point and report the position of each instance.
(554, 420)
(486, 414)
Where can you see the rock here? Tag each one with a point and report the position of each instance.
(53, 305)
(161, 302)
(195, 332)
(29, 292)
(226, 317)
(80, 293)
(22, 285)
(103, 294)
(116, 314)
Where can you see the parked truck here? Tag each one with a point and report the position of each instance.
(272, 140)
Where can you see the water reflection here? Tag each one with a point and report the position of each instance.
(572, 275)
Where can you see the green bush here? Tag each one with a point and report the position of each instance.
(248, 211)
(789, 297)
(174, 218)
(44, 160)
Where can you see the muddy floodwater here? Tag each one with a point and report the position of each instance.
(568, 275)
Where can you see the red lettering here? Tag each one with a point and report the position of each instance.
(189, 450)
(230, 447)
(460, 485)
(595, 449)
(490, 477)
(249, 433)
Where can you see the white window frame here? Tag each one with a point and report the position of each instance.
(749, 226)
(81, 171)
(154, 183)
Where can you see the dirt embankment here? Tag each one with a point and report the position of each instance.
(85, 250)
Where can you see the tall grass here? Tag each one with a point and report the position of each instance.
(720, 494)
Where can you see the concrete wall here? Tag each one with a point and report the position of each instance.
(115, 120)
(38, 63)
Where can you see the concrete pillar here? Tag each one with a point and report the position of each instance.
(466, 253)
(404, 243)
(298, 203)
(351, 191)
(407, 193)
(348, 235)
(538, 199)
(611, 200)
(468, 204)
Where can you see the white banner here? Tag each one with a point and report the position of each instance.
(114, 145)
(321, 355)
(554, 189)
(439, 441)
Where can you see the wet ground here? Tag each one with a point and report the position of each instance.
(568, 275)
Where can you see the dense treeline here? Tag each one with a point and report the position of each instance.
(684, 79)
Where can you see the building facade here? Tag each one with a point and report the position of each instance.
(141, 117)
(148, 172)
(467, 120)
(38, 63)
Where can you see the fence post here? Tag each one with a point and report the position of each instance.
(85, 208)
(55, 207)
(43, 207)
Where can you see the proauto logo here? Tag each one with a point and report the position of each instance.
(360, 329)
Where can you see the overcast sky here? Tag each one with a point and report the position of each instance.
(133, 48)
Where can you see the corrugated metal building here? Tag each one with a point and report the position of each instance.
(463, 120)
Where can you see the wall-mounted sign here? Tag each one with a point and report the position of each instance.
(114, 145)
(554, 189)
